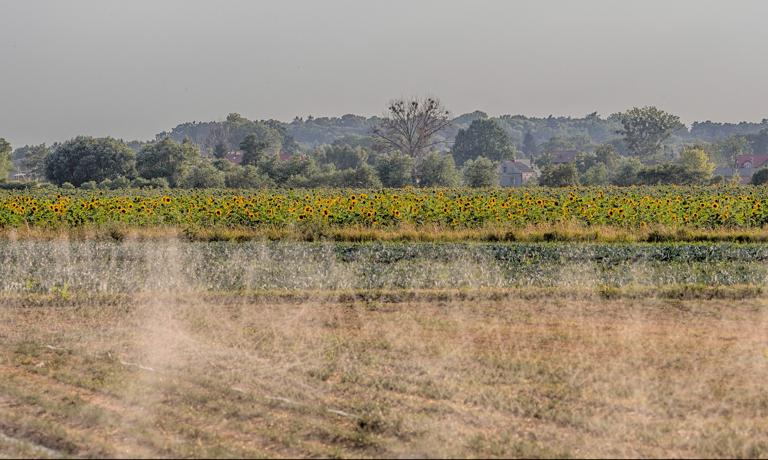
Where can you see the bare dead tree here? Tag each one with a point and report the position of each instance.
(410, 125)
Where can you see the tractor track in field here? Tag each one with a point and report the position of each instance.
(114, 438)
(31, 385)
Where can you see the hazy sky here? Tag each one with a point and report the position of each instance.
(134, 68)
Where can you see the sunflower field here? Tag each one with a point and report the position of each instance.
(632, 207)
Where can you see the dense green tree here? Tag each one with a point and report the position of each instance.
(583, 161)
(395, 169)
(224, 165)
(363, 176)
(343, 156)
(543, 161)
(220, 137)
(220, 149)
(481, 172)
(645, 129)
(438, 170)
(606, 154)
(6, 164)
(595, 175)
(237, 128)
(203, 175)
(287, 143)
(697, 165)
(236, 119)
(84, 159)
(484, 137)
(167, 159)
(253, 149)
(563, 175)
(626, 172)
(298, 166)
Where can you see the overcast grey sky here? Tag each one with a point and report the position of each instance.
(134, 68)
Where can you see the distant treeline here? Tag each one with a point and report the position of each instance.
(640, 146)
(578, 133)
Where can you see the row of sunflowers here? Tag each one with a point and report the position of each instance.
(699, 207)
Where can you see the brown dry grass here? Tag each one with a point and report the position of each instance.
(567, 231)
(181, 375)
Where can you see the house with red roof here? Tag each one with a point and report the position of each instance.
(751, 161)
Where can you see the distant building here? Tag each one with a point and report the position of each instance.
(751, 161)
(747, 165)
(235, 156)
(516, 173)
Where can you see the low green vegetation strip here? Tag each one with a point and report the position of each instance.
(376, 299)
(68, 268)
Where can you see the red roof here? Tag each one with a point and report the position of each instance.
(751, 161)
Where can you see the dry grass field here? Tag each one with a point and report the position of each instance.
(183, 374)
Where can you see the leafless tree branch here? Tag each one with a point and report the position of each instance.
(410, 125)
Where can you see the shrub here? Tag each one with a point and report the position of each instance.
(140, 182)
(86, 158)
(203, 175)
(159, 182)
(481, 172)
(760, 177)
(121, 182)
(559, 176)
